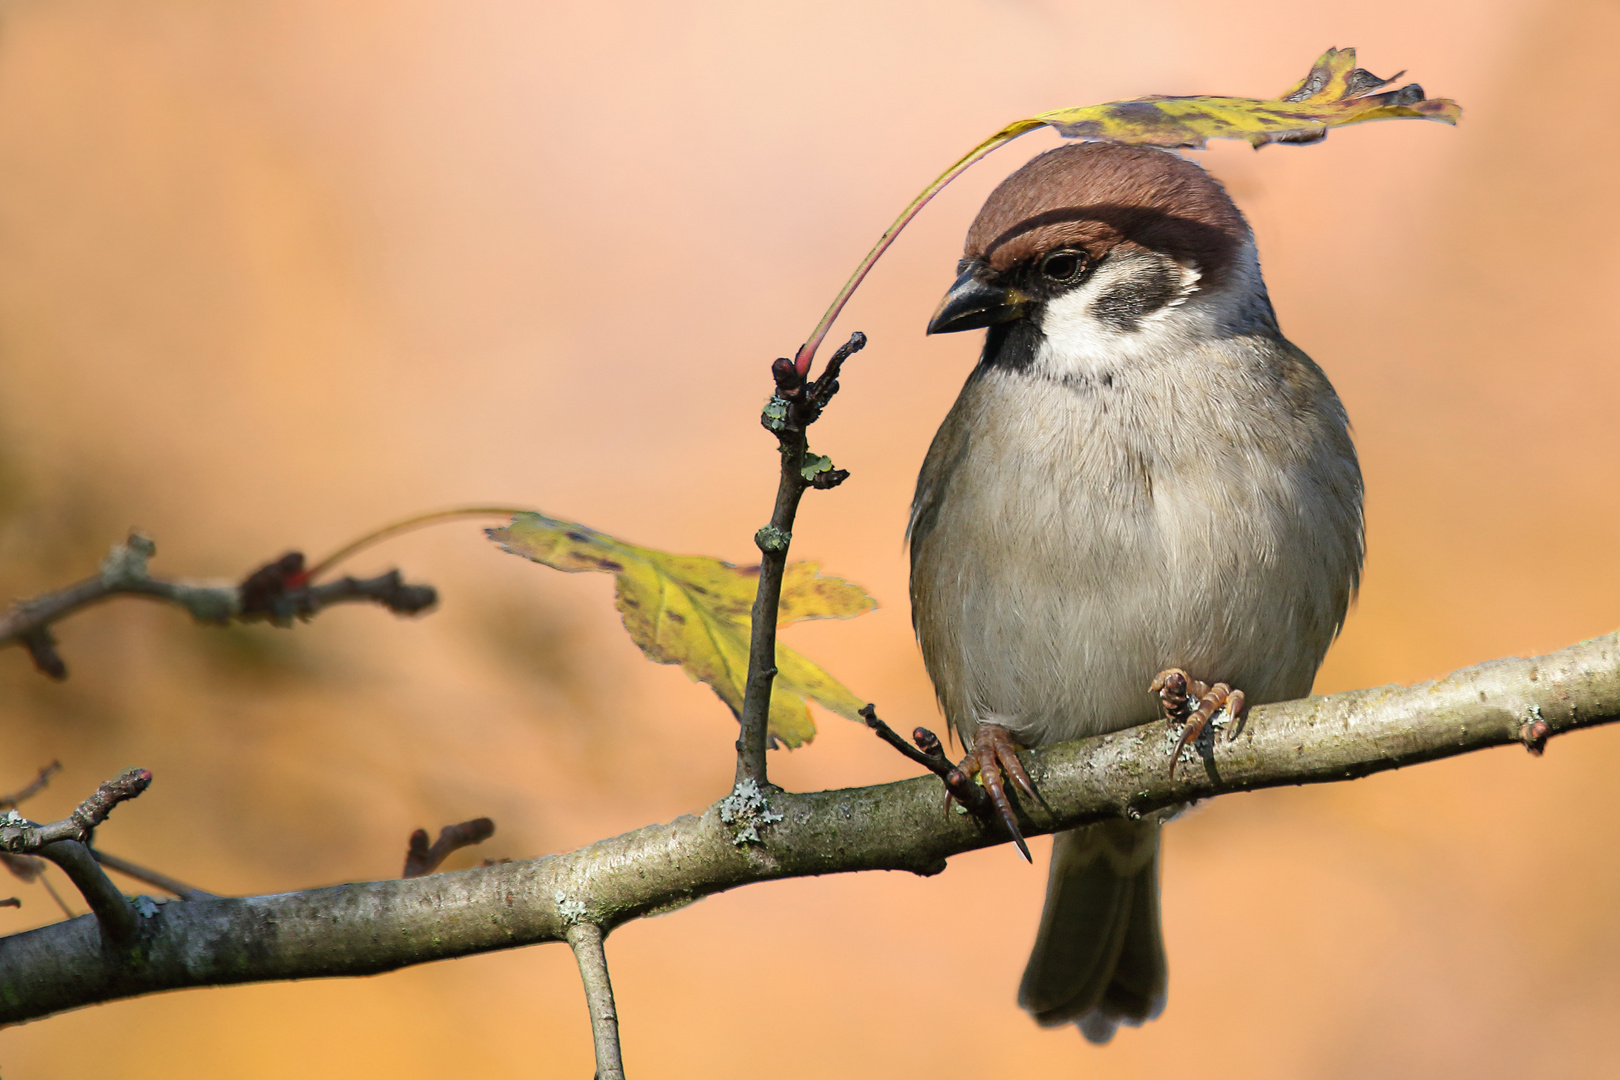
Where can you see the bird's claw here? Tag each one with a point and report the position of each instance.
(994, 758)
(1192, 703)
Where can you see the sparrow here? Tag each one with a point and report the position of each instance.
(1145, 502)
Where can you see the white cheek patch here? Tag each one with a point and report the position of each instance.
(1126, 309)
(1189, 285)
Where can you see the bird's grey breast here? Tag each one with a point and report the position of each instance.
(1075, 532)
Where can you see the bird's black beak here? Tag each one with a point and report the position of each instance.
(972, 304)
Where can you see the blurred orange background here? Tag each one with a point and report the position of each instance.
(272, 274)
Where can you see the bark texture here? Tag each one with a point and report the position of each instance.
(363, 928)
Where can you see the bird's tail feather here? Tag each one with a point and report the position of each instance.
(1099, 956)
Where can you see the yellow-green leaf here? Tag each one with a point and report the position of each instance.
(695, 611)
(1335, 93)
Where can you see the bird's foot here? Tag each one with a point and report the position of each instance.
(1191, 703)
(993, 760)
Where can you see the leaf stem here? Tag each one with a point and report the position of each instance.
(807, 351)
(405, 525)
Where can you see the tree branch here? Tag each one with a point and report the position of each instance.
(278, 592)
(364, 928)
(586, 941)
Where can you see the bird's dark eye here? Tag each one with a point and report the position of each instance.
(1063, 266)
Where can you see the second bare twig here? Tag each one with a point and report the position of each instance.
(278, 592)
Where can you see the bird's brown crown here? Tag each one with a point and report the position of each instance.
(1095, 196)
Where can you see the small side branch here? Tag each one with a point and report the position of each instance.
(278, 592)
(19, 836)
(281, 591)
(421, 859)
(63, 843)
(586, 941)
(796, 404)
(931, 755)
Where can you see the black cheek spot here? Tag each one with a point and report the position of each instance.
(1126, 304)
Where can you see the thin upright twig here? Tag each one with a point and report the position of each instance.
(796, 404)
(586, 941)
(773, 542)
